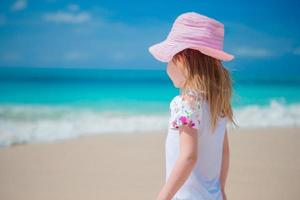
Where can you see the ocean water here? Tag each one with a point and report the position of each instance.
(46, 104)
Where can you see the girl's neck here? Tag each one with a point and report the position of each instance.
(188, 91)
(191, 92)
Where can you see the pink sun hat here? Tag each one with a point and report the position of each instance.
(195, 31)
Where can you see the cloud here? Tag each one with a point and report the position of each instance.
(73, 7)
(93, 40)
(119, 56)
(253, 52)
(297, 51)
(19, 5)
(75, 56)
(67, 17)
(9, 56)
(254, 42)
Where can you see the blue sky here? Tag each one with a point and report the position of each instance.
(263, 35)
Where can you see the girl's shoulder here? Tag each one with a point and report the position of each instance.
(186, 108)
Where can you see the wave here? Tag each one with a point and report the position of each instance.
(40, 123)
(30, 124)
(275, 114)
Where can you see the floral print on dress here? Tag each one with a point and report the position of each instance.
(185, 112)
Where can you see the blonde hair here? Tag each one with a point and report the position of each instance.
(207, 75)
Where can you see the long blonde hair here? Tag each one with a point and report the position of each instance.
(207, 75)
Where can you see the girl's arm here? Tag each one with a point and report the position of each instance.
(183, 165)
(225, 162)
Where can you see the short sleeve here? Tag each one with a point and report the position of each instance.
(186, 112)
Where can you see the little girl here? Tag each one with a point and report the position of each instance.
(196, 147)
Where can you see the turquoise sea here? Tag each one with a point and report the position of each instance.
(45, 104)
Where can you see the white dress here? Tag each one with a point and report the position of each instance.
(203, 183)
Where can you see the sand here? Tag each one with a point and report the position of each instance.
(264, 164)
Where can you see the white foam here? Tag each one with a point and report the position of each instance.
(275, 114)
(30, 124)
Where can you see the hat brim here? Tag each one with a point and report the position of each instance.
(164, 51)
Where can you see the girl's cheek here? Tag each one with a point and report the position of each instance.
(175, 75)
(181, 81)
(169, 70)
(180, 77)
(178, 80)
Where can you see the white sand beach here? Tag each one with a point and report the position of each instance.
(265, 164)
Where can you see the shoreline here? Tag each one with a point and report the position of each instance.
(243, 129)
